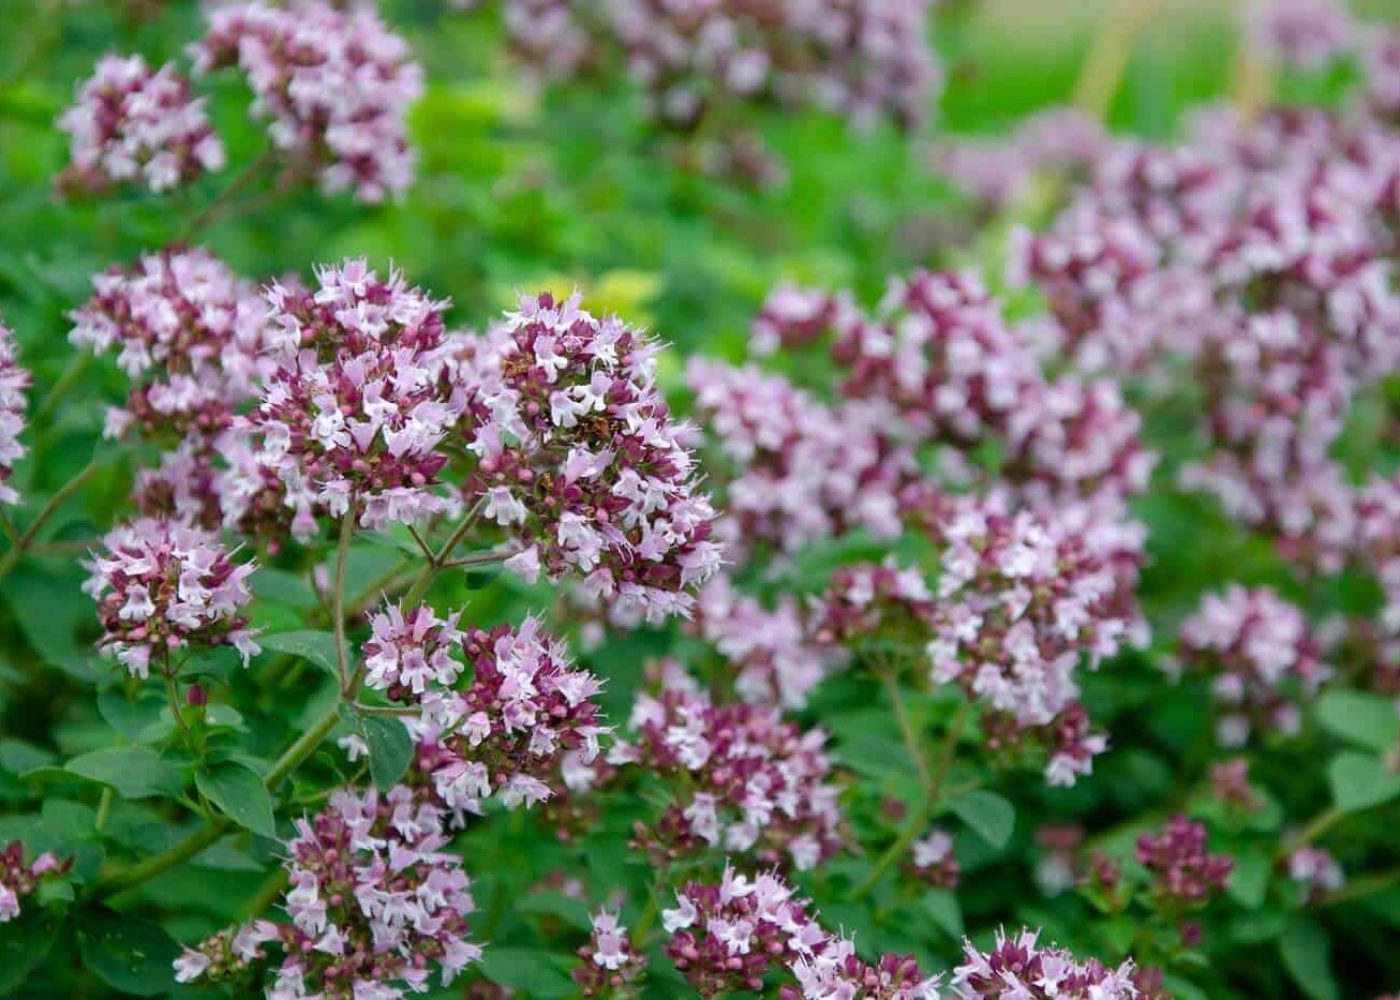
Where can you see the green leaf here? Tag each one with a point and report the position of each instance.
(567, 908)
(130, 717)
(135, 772)
(390, 748)
(24, 944)
(238, 791)
(989, 815)
(942, 907)
(524, 969)
(19, 757)
(1366, 720)
(128, 954)
(1360, 782)
(318, 647)
(1305, 950)
(1250, 879)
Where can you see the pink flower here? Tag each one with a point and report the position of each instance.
(1262, 657)
(745, 780)
(1018, 966)
(162, 587)
(134, 125)
(335, 83)
(14, 381)
(579, 458)
(507, 729)
(18, 880)
(356, 410)
(375, 898)
(1181, 867)
(609, 962)
(190, 329)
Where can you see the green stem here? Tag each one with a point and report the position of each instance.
(342, 656)
(104, 807)
(1109, 53)
(912, 746)
(922, 813)
(56, 395)
(10, 558)
(212, 831)
(1319, 825)
(1359, 888)
(245, 176)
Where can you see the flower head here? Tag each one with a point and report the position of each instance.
(135, 125)
(335, 83)
(161, 587)
(580, 459)
(356, 410)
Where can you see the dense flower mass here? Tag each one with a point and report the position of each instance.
(374, 904)
(802, 470)
(506, 729)
(580, 459)
(163, 588)
(746, 781)
(1262, 658)
(771, 652)
(727, 936)
(356, 409)
(190, 330)
(1023, 602)
(14, 383)
(135, 125)
(336, 84)
(18, 880)
(1019, 966)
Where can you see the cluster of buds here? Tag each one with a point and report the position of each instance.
(503, 731)
(374, 903)
(771, 653)
(190, 329)
(862, 59)
(608, 962)
(14, 381)
(163, 587)
(1183, 871)
(1262, 658)
(801, 470)
(18, 880)
(1229, 785)
(135, 125)
(746, 781)
(1019, 966)
(578, 456)
(336, 84)
(356, 408)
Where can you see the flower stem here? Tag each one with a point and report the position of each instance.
(212, 831)
(922, 813)
(1108, 55)
(245, 176)
(22, 544)
(342, 552)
